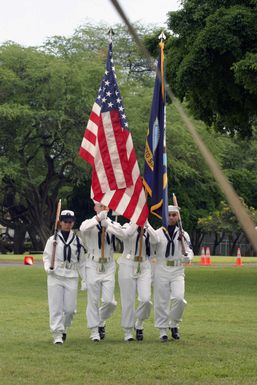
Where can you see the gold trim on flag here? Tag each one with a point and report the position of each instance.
(155, 207)
(147, 187)
(149, 156)
(165, 180)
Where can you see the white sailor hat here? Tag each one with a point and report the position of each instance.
(67, 215)
(173, 209)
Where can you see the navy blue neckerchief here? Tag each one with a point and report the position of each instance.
(99, 226)
(79, 247)
(147, 242)
(113, 240)
(66, 248)
(170, 234)
(65, 235)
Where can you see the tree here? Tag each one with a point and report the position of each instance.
(212, 62)
(45, 100)
(240, 164)
(42, 101)
(46, 96)
(94, 38)
(223, 222)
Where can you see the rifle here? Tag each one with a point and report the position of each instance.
(181, 231)
(58, 211)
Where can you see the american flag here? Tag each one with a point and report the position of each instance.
(107, 145)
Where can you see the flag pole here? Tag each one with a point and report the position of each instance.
(181, 231)
(57, 219)
(102, 269)
(141, 240)
(139, 258)
(161, 44)
(103, 260)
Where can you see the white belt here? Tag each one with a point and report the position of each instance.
(170, 262)
(134, 258)
(68, 265)
(99, 259)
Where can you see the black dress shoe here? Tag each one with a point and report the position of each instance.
(139, 335)
(164, 338)
(101, 331)
(175, 334)
(64, 336)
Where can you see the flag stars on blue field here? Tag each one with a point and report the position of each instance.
(109, 97)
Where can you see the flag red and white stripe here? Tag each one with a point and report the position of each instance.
(107, 145)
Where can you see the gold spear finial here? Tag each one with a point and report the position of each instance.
(162, 36)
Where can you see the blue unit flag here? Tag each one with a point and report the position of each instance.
(155, 177)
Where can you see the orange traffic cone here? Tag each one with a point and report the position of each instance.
(238, 258)
(28, 260)
(203, 261)
(207, 256)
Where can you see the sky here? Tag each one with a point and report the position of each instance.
(30, 22)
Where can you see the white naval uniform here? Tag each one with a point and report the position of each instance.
(129, 280)
(97, 280)
(169, 282)
(62, 282)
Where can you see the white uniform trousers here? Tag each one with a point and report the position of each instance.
(62, 301)
(130, 283)
(169, 290)
(97, 281)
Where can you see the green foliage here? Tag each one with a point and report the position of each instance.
(94, 38)
(212, 59)
(188, 176)
(42, 102)
(246, 72)
(224, 220)
(240, 164)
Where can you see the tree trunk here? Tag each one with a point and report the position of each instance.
(39, 235)
(18, 239)
(217, 241)
(196, 239)
(232, 243)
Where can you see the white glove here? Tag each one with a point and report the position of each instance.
(146, 224)
(102, 215)
(130, 231)
(104, 223)
(83, 286)
(50, 271)
(186, 260)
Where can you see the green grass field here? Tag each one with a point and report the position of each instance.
(218, 344)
